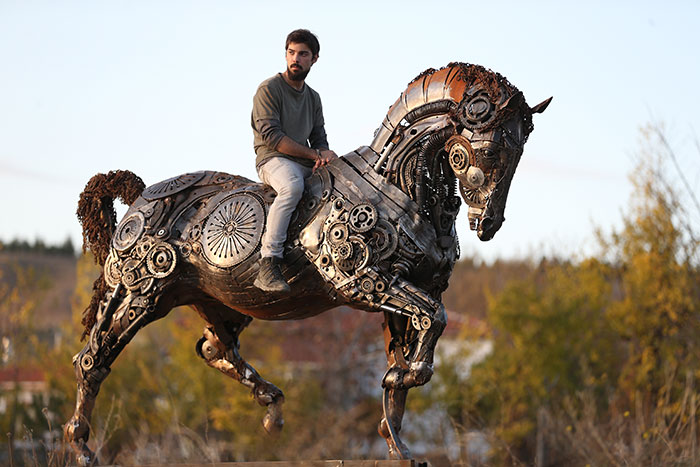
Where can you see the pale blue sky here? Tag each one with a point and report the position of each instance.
(165, 87)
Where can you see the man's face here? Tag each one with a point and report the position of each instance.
(299, 61)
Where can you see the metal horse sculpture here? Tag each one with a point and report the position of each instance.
(375, 230)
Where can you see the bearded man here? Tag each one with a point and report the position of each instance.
(290, 142)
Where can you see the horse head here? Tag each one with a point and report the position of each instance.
(483, 121)
(492, 131)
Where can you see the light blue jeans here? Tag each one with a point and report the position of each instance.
(287, 178)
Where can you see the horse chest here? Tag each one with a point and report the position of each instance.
(366, 232)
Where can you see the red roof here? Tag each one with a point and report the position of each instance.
(21, 375)
(337, 331)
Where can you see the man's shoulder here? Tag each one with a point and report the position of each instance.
(315, 95)
(311, 90)
(274, 80)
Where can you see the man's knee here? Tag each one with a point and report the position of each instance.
(293, 190)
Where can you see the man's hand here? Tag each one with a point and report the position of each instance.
(326, 156)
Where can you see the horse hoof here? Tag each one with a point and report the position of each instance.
(86, 457)
(84, 460)
(398, 452)
(273, 420)
(273, 425)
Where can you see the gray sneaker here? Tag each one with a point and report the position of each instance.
(270, 278)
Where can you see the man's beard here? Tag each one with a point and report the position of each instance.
(299, 74)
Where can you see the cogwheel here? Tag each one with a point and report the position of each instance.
(359, 258)
(385, 239)
(367, 285)
(161, 260)
(338, 233)
(342, 251)
(113, 270)
(363, 217)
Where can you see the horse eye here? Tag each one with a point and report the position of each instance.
(488, 155)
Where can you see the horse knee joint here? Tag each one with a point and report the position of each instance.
(394, 378)
(419, 374)
(207, 350)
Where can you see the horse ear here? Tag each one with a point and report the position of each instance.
(513, 101)
(541, 107)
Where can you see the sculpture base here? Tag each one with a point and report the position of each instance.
(326, 463)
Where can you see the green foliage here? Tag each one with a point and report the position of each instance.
(38, 246)
(549, 340)
(20, 291)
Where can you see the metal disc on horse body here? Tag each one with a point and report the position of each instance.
(171, 186)
(338, 233)
(113, 270)
(128, 231)
(233, 230)
(161, 260)
(356, 256)
(475, 197)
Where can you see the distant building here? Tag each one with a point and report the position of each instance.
(24, 383)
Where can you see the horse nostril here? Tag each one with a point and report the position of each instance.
(486, 223)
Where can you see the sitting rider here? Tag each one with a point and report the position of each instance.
(290, 142)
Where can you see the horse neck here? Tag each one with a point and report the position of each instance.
(417, 165)
(433, 92)
(410, 140)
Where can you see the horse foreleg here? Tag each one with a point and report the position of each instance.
(219, 349)
(413, 324)
(394, 404)
(417, 338)
(393, 399)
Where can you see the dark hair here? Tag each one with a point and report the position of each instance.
(304, 36)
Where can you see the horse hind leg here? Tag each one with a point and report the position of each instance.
(219, 348)
(120, 317)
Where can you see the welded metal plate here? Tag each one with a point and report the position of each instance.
(171, 186)
(233, 230)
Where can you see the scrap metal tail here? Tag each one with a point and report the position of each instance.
(98, 219)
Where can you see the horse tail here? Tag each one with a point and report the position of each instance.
(98, 219)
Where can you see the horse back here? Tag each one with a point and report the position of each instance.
(199, 235)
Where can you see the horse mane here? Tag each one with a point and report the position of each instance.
(494, 84)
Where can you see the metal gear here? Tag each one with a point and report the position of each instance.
(342, 251)
(367, 285)
(475, 197)
(161, 260)
(385, 239)
(360, 255)
(338, 233)
(363, 217)
(113, 270)
(171, 186)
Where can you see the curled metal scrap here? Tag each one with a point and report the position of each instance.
(375, 230)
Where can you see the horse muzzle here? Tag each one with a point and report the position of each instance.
(488, 228)
(485, 222)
